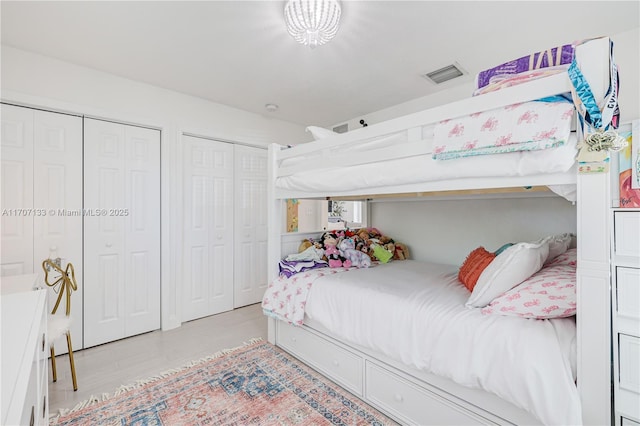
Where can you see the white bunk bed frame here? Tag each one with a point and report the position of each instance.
(371, 376)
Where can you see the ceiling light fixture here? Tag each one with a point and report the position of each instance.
(312, 22)
(271, 107)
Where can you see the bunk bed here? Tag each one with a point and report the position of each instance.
(404, 157)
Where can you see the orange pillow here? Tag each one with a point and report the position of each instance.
(473, 266)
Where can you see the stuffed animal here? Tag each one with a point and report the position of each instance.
(308, 250)
(361, 239)
(357, 258)
(308, 242)
(363, 234)
(367, 239)
(330, 243)
(382, 254)
(401, 252)
(305, 244)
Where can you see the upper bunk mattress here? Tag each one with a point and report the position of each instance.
(424, 168)
(526, 139)
(414, 312)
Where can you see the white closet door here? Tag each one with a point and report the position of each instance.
(104, 251)
(58, 191)
(250, 257)
(16, 151)
(122, 231)
(208, 227)
(142, 237)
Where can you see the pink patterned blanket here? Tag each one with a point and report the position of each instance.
(519, 127)
(285, 298)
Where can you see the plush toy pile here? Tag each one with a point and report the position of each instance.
(356, 248)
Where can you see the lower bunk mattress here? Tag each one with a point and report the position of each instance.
(414, 312)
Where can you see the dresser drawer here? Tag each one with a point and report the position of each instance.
(24, 368)
(627, 234)
(628, 292)
(626, 399)
(29, 414)
(629, 361)
(342, 366)
(409, 403)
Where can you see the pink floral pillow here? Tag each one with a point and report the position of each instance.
(549, 293)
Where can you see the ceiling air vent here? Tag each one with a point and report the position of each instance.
(444, 74)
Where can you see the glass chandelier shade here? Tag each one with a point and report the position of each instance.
(312, 22)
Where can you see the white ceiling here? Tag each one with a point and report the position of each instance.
(238, 53)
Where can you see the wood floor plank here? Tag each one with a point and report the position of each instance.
(102, 369)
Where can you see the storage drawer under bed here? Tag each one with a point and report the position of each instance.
(410, 403)
(342, 366)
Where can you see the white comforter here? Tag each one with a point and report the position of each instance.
(423, 168)
(414, 312)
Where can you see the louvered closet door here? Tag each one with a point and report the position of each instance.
(16, 151)
(250, 278)
(122, 231)
(208, 227)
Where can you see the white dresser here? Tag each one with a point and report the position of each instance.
(24, 358)
(626, 316)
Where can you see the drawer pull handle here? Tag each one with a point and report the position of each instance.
(336, 363)
(398, 397)
(42, 342)
(44, 406)
(32, 421)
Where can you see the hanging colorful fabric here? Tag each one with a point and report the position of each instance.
(598, 123)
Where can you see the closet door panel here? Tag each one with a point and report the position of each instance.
(58, 192)
(251, 225)
(141, 213)
(208, 227)
(16, 151)
(104, 162)
(196, 247)
(221, 235)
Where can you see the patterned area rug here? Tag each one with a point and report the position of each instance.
(257, 384)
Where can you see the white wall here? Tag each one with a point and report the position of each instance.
(627, 54)
(35, 80)
(626, 49)
(26, 75)
(445, 231)
(310, 217)
(438, 230)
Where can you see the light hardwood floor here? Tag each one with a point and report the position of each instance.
(102, 369)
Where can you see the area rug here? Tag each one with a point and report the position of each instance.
(256, 384)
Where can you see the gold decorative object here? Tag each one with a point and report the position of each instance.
(63, 284)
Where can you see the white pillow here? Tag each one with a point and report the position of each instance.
(511, 267)
(558, 244)
(320, 132)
